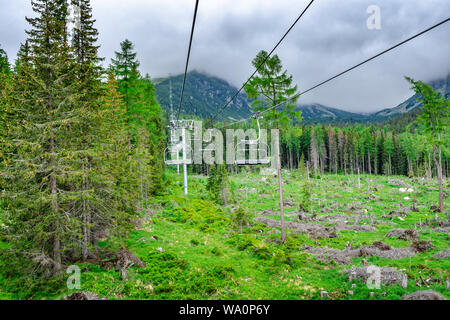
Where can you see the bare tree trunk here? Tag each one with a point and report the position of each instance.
(280, 186)
(438, 162)
(291, 159)
(359, 181)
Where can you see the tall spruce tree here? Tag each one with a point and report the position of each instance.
(435, 120)
(5, 72)
(68, 167)
(88, 74)
(125, 67)
(42, 127)
(142, 113)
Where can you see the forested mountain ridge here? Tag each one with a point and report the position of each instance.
(317, 113)
(410, 105)
(205, 94)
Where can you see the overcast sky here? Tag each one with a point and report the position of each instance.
(331, 37)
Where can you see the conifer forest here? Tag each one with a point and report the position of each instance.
(121, 181)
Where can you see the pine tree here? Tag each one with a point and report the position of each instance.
(271, 87)
(119, 189)
(4, 63)
(88, 74)
(435, 119)
(43, 123)
(142, 113)
(125, 67)
(302, 166)
(218, 184)
(5, 72)
(68, 172)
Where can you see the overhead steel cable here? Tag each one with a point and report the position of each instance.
(188, 56)
(261, 64)
(347, 70)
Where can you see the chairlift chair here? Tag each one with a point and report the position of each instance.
(252, 147)
(173, 155)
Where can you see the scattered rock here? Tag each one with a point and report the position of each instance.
(324, 294)
(424, 295)
(350, 292)
(160, 249)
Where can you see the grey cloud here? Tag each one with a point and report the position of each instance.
(331, 37)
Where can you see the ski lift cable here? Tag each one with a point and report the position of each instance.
(261, 64)
(188, 56)
(345, 71)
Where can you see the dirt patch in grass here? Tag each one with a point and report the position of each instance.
(314, 230)
(403, 234)
(377, 248)
(357, 228)
(267, 213)
(328, 254)
(424, 295)
(81, 296)
(441, 230)
(389, 276)
(398, 182)
(445, 254)
(422, 246)
(393, 253)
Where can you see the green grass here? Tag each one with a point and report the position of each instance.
(206, 258)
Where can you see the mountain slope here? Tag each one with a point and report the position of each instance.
(203, 96)
(317, 113)
(442, 86)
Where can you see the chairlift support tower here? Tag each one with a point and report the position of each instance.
(176, 147)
